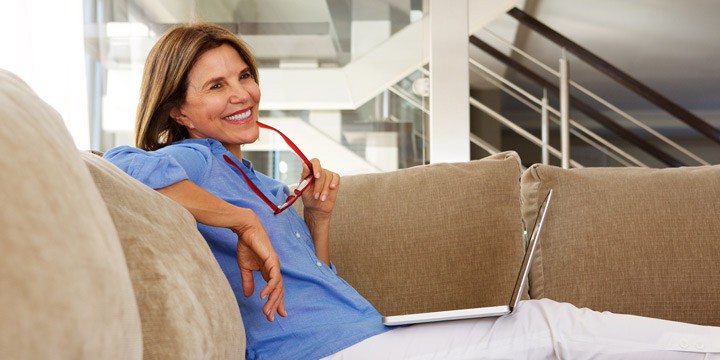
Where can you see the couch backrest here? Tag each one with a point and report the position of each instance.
(65, 292)
(629, 240)
(429, 238)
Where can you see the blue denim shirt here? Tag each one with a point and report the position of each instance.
(325, 314)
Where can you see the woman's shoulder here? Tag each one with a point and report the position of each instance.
(189, 147)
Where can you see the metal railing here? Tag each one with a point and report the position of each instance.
(561, 116)
(600, 100)
(618, 75)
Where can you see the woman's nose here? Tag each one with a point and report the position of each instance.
(239, 94)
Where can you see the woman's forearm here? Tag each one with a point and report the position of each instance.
(209, 209)
(320, 230)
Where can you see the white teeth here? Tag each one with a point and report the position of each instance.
(242, 116)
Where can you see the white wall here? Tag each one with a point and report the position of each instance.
(42, 42)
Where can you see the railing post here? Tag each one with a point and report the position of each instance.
(564, 111)
(544, 129)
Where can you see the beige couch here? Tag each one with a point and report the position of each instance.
(94, 265)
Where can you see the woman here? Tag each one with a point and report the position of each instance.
(199, 105)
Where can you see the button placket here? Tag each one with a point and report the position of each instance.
(318, 263)
(684, 344)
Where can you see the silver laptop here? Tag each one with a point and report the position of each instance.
(491, 311)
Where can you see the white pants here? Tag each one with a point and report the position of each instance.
(544, 329)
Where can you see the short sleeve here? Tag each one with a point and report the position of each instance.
(156, 170)
(193, 158)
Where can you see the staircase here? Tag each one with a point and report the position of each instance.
(604, 133)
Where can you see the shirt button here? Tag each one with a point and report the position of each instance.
(319, 264)
(699, 345)
(683, 344)
(297, 235)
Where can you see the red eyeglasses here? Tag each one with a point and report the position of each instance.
(304, 184)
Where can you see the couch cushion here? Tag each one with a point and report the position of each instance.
(430, 238)
(65, 291)
(629, 240)
(187, 307)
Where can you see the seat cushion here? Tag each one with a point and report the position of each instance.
(431, 238)
(65, 291)
(629, 240)
(187, 308)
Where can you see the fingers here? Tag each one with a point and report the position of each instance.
(330, 181)
(248, 284)
(316, 168)
(305, 171)
(275, 304)
(325, 181)
(274, 291)
(333, 183)
(281, 307)
(271, 273)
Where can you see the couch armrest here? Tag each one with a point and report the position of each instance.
(629, 240)
(429, 238)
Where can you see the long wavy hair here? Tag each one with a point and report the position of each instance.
(164, 81)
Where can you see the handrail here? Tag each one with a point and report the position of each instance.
(618, 75)
(579, 104)
(484, 144)
(523, 53)
(640, 124)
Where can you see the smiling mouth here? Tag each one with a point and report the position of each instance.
(239, 116)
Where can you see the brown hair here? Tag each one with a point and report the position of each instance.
(164, 81)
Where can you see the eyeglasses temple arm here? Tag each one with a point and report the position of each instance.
(289, 142)
(250, 183)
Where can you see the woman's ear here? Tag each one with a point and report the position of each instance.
(178, 116)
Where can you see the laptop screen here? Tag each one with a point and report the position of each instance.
(527, 259)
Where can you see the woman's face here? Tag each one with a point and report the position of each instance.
(222, 100)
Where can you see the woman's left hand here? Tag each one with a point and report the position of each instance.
(319, 198)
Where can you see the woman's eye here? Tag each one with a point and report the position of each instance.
(245, 76)
(215, 86)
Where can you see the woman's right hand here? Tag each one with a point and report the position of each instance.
(255, 253)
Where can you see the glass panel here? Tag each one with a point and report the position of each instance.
(316, 59)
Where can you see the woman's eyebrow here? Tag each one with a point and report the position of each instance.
(220, 78)
(213, 80)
